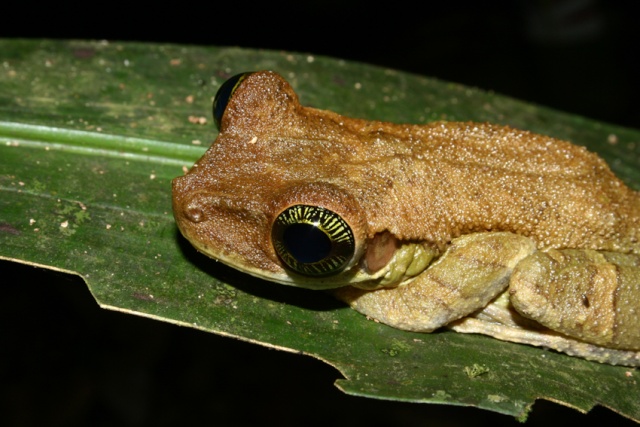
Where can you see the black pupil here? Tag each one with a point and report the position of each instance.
(312, 241)
(306, 242)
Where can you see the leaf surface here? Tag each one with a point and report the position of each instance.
(92, 133)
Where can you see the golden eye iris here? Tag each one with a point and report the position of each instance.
(313, 241)
(224, 94)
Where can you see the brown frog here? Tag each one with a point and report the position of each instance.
(477, 227)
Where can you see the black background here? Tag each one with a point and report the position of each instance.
(63, 361)
(580, 56)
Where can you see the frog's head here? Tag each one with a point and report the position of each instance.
(270, 197)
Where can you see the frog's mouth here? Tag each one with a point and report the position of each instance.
(232, 231)
(368, 272)
(269, 271)
(237, 232)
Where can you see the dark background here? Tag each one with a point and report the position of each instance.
(580, 56)
(63, 361)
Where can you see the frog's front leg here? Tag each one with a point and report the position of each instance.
(581, 302)
(472, 272)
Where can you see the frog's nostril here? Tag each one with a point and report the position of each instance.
(194, 213)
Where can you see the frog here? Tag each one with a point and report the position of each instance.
(473, 227)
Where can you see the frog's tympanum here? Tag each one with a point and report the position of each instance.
(477, 227)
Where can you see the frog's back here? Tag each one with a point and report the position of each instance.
(420, 182)
(465, 177)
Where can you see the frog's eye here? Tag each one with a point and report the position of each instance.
(313, 241)
(224, 94)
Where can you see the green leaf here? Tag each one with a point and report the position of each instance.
(92, 134)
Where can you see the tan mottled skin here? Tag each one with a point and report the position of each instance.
(421, 183)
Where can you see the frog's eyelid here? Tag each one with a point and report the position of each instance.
(224, 94)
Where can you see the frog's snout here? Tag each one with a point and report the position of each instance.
(196, 208)
(189, 208)
(203, 206)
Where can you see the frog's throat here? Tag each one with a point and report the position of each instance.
(407, 260)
